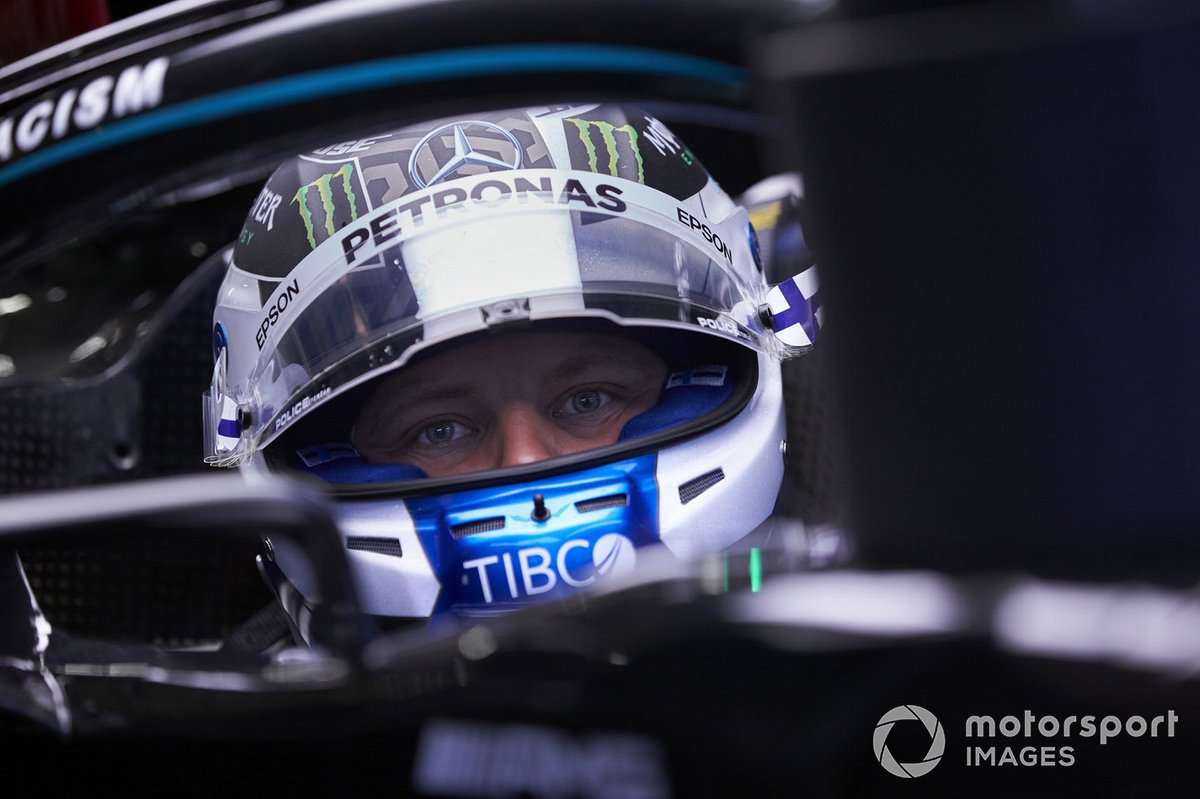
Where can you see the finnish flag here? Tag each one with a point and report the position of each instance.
(229, 432)
(796, 309)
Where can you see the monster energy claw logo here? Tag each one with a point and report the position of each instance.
(324, 187)
(609, 139)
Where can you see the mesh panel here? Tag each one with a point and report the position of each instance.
(481, 526)
(812, 490)
(601, 503)
(698, 485)
(381, 546)
(143, 422)
(145, 591)
(52, 437)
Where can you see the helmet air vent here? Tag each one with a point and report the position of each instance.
(380, 546)
(698, 485)
(602, 503)
(478, 526)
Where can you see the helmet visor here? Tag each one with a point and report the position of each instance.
(499, 253)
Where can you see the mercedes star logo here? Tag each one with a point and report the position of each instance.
(464, 154)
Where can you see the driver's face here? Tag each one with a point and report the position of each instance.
(514, 399)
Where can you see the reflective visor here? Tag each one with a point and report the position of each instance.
(486, 253)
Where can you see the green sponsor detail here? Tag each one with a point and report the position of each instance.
(324, 187)
(608, 135)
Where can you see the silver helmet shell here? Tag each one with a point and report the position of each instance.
(361, 256)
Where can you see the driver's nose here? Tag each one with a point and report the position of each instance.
(526, 436)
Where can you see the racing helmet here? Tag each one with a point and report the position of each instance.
(366, 260)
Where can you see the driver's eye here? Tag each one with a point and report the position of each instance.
(586, 401)
(442, 431)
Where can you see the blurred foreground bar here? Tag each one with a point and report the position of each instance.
(1004, 202)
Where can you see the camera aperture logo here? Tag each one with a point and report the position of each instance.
(937, 742)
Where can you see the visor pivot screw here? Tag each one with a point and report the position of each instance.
(243, 418)
(540, 513)
(766, 317)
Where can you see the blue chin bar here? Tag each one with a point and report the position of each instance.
(494, 549)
